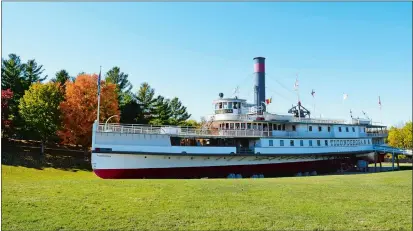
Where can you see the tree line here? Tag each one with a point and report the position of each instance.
(401, 137)
(64, 108)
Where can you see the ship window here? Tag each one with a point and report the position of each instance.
(279, 127)
(235, 105)
(220, 105)
(226, 126)
(225, 105)
(248, 125)
(237, 126)
(354, 130)
(293, 127)
(291, 142)
(326, 142)
(301, 143)
(329, 128)
(319, 128)
(318, 143)
(339, 129)
(242, 126)
(270, 143)
(310, 128)
(342, 142)
(254, 126)
(239, 105)
(231, 126)
(216, 106)
(283, 127)
(230, 105)
(310, 143)
(364, 141)
(281, 143)
(368, 141)
(346, 129)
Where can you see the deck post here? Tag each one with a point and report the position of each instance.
(392, 161)
(380, 165)
(397, 158)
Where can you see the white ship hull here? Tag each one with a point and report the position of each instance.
(135, 166)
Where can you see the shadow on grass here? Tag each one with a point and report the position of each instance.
(29, 155)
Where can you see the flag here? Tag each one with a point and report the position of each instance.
(99, 82)
(312, 93)
(296, 84)
(345, 96)
(268, 101)
(379, 102)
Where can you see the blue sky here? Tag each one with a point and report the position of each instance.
(196, 50)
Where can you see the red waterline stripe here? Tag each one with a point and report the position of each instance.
(269, 170)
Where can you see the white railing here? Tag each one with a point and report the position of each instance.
(181, 131)
(193, 131)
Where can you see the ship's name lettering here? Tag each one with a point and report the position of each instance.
(223, 111)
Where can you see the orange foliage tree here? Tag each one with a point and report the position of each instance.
(79, 110)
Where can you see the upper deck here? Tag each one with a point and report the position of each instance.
(251, 129)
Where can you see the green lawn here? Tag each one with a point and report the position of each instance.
(52, 199)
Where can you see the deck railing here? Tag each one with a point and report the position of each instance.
(193, 131)
(181, 131)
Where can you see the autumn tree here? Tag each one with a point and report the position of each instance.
(39, 108)
(6, 96)
(401, 137)
(79, 109)
(12, 78)
(18, 76)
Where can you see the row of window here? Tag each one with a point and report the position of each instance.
(228, 105)
(326, 143)
(271, 127)
(310, 128)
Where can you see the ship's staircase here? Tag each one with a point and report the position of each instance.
(208, 124)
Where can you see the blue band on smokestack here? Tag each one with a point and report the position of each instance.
(259, 81)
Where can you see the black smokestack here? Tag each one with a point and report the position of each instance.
(259, 82)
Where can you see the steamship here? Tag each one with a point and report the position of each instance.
(240, 138)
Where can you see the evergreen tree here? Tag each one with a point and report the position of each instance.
(146, 98)
(161, 112)
(179, 113)
(62, 77)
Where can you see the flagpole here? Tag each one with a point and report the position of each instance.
(298, 96)
(100, 71)
(381, 116)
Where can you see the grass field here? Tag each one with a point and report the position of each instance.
(51, 199)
